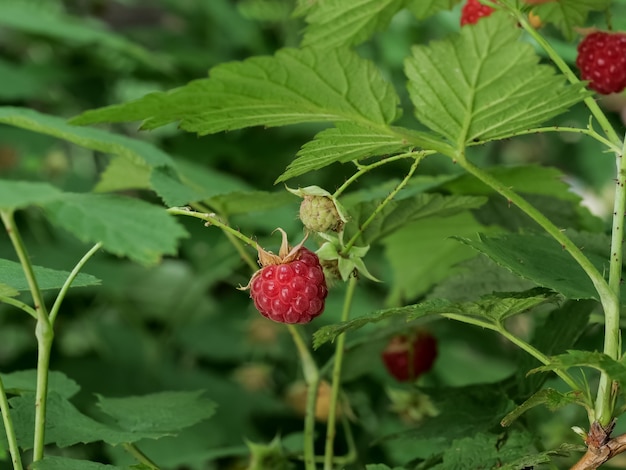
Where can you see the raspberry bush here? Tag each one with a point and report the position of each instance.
(451, 169)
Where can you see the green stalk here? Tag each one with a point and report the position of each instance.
(545, 360)
(381, 206)
(332, 411)
(43, 332)
(212, 219)
(142, 458)
(606, 294)
(362, 169)
(54, 311)
(14, 450)
(312, 380)
(21, 305)
(612, 344)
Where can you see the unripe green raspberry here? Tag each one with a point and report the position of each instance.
(319, 214)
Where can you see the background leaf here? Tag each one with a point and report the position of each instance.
(425, 8)
(294, 86)
(19, 194)
(568, 15)
(24, 381)
(63, 463)
(12, 274)
(335, 23)
(163, 412)
(126, 227)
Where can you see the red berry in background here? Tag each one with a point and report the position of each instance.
(290, 287)
(602, 60)
(473, 10)
(408, 357)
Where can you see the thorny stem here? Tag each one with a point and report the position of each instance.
(612, 341)
(133, 450)
(54, 311)
(382, 205)
(9, 430)
(43, 332)
(336, 382)
(362, 169)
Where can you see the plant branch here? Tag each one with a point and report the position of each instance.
(212, 219)
(362, 169)
(21, 305)
(14, 450)
(54, 311)
(336, 382)
(381, 206)
(600, 447)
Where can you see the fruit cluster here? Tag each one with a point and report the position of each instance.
(408, 357)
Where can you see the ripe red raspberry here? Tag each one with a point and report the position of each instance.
(407, 358)
(602, 60)
(290, 287)
(473, 10)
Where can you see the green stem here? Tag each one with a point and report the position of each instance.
(381, 206)
(21, 305)
(366, 168)
(312, 380)
(133, 450)
(212, 219)
(43, 332)
(9, 430)
(234, 241)
(45, 336)
(20, 249)
(538, 130)
(54, 311)
(607, 297)
(332, 411)
(571, 76)
(612, 343)
(541, 357)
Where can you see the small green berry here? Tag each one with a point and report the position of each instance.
(319, 214)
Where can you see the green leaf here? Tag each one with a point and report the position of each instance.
(486, 451)
(492, 309)
(20, 82)
(527, 179)
(533, 460)
(334, 23)
(484, 83)
(396, 214)
(25, 381)
(66, 426)
(139, 152)
(425, 8)
(8, 291)
(48, 20)
(250, 201)
(571, 321)
(122, 174)
(19, 194)
(594, 359)
(549, 397)
(346, 142)
(12, 274)
(125, 226)
(330, 332)
(416, 267)
(293, 86)
(540, 259)
(570, 14)
(63, 463)
(158, 412)
(485, 403)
